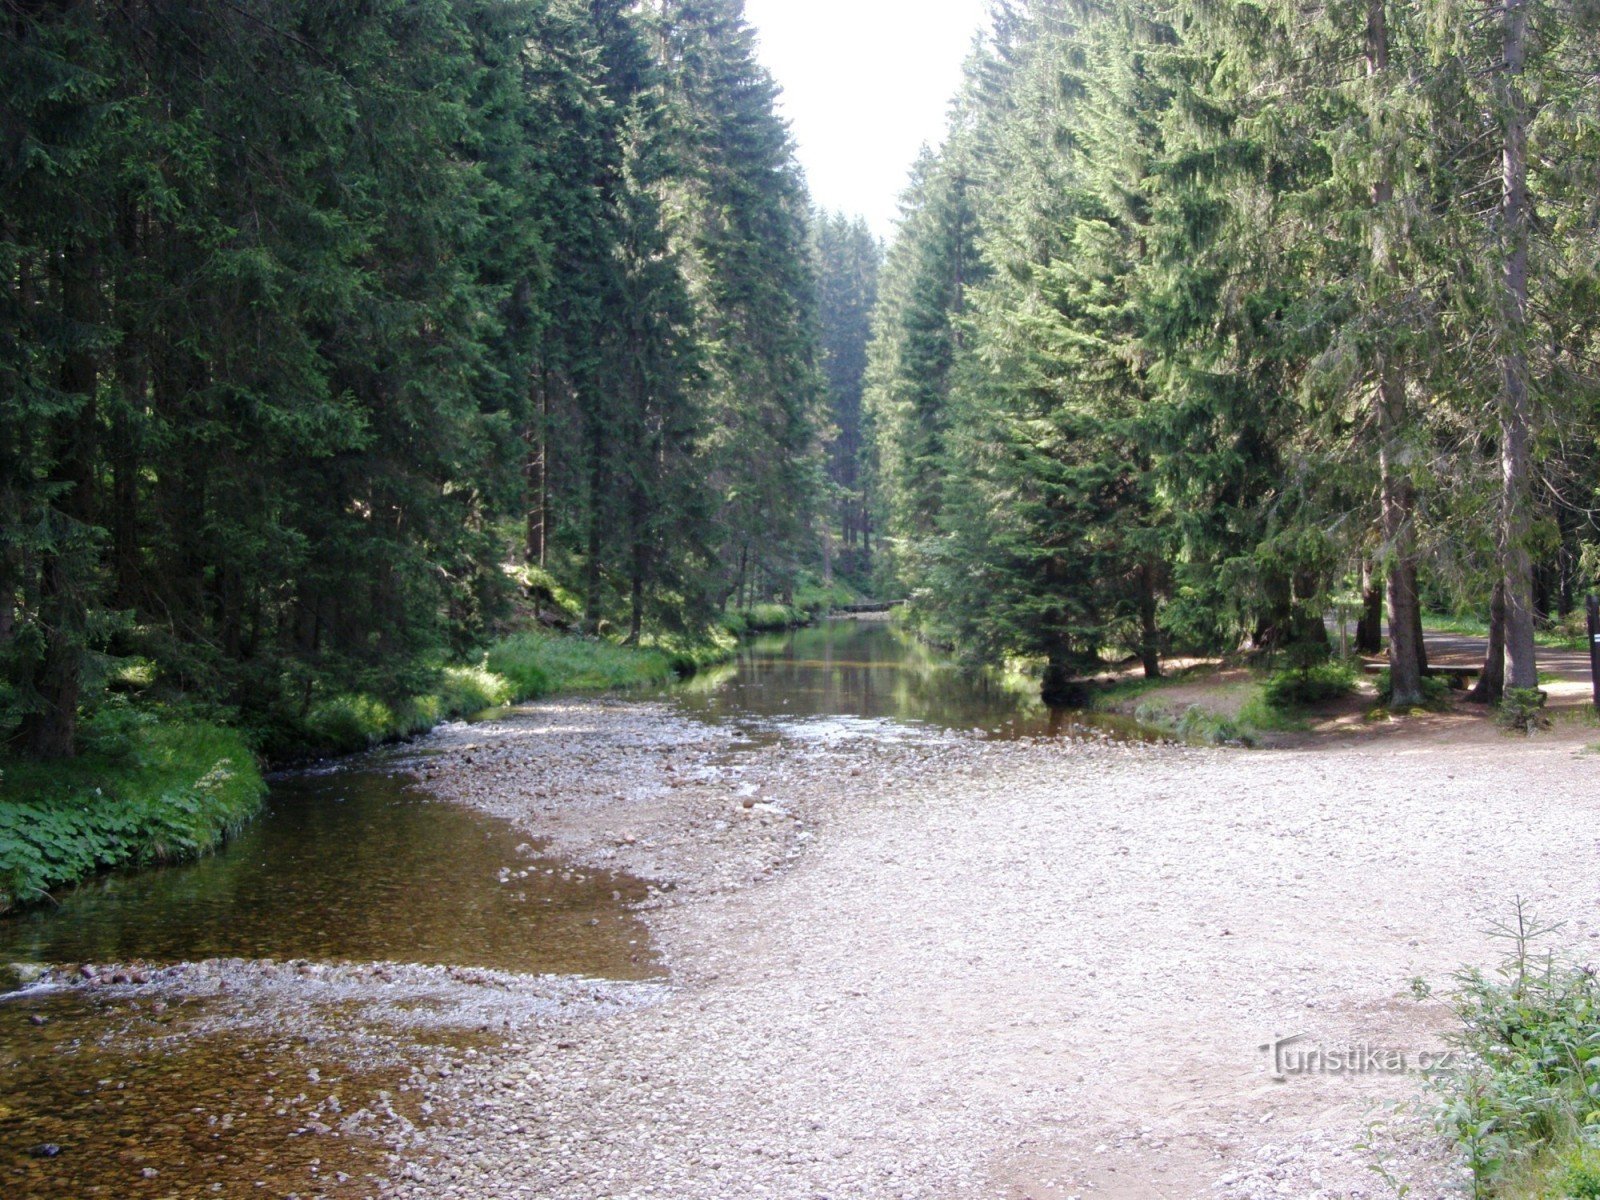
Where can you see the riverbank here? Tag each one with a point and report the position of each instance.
(984, 968)
(146, 791)
(901, 962)
(155, 786)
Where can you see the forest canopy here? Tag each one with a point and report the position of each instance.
(329, 331)
(1207, 318)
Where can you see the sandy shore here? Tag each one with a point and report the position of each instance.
(957, 968)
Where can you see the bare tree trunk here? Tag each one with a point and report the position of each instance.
(536, 473)
(1516, 422)
(51, 731)
(1149, 631)
(1369, 629)
(1398, 494)
(1491, 686)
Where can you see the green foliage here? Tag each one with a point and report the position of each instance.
(1196, 724)
(1435, 692)
(1527, 1102)
(145, 790)
(1522, 710)
(312, 319)
(537, 664)
(1303, 686)
(1581, 1180)
(1189, 325)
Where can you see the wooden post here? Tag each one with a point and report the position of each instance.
(1594, 647)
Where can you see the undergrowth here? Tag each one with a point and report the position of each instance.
(1317, 683)
(1435, 692)
(146, 789)
(1524, 1112)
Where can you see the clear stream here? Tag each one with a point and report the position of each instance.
(356, 864)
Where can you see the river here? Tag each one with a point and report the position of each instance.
(356, 864)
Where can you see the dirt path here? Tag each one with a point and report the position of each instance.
(961, 969)
(1459, 650)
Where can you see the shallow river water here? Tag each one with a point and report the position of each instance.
(106, 1096)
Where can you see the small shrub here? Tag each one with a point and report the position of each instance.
(1581, 1181)
(1196, 724)
(537, 664)
(761, 618)
(1304, 686)
(1530, 1031)
(1522, 710)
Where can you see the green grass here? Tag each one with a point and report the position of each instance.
(151, 788)
(1569, 634)
(525, 666)
(538, 664)
(145, 790)
(812, 599)
(1260, 709)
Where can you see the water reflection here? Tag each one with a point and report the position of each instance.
(869, 671)
(356, 866)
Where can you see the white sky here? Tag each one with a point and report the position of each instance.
(865, 84)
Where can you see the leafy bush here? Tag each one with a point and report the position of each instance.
(763, 618)
(1196, 724)
(343, 724)
(156, 791)
(1303, 686)
(1581, 1180)
(1435, 692)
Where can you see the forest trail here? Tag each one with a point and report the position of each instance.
(1024, 969)
(1457, 650)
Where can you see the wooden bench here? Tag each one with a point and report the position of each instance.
(1459, 677)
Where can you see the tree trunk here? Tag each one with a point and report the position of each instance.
(591, 568)
(1398, 496)
(51, 730)
(536, 473)
(1416, 619)
(1369, 629)
(133, 379)
(1491, 686)
(1149, 631)
(1516, 423)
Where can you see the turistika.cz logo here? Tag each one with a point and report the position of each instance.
(1291, 1057)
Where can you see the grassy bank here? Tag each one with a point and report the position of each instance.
(524, 666)
(148, 788)
(1229, 706)
(810, 602)
(153, 787)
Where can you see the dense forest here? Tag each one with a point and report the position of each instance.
(337, 339)
(331, 331)
(1207, 319)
